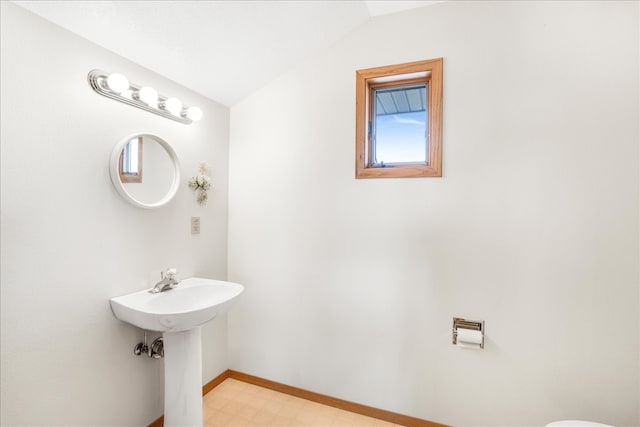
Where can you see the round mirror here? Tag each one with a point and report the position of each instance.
(145, 170)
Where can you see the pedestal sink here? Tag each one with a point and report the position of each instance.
(179, 314)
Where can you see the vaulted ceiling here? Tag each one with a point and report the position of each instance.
(224, 50)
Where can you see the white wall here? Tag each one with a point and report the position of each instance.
(351, 285)
(70, 242)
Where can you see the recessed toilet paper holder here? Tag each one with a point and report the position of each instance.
(474, 325)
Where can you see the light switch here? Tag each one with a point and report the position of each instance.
(195, 225)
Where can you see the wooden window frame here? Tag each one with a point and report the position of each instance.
(128, 177)
(428, 71)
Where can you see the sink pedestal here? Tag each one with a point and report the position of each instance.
(179, 314)
(183, 378)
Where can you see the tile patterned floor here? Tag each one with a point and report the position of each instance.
(235, 403)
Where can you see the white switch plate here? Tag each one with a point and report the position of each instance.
(195, 225)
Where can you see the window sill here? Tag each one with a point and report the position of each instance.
(396, 171)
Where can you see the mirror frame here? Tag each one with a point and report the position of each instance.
(115, 175)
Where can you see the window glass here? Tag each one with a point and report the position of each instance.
(130, 163)
(400, 125)
(130, 158)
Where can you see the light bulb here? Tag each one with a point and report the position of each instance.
(148, 95)
(117, 82)
(173, 105)
(194, 113)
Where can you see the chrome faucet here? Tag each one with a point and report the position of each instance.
(168, 281)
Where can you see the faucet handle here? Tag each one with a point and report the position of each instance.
(171, 273)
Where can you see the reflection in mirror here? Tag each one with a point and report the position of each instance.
(156, 164)
(130, 164)
(145, 170)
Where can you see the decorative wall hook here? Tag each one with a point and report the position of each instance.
(201, 183)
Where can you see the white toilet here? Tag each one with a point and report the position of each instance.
(575, 423)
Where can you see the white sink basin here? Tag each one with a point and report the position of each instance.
(191, 303)
(178, 313)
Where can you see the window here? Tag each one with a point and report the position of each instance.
(131, 161)
(399, 120)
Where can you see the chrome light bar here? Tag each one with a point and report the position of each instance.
(116, 86)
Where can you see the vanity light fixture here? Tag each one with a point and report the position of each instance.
(117, 86)
(148, 95)
(117, 82)
(173, 105)
(194, 113)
